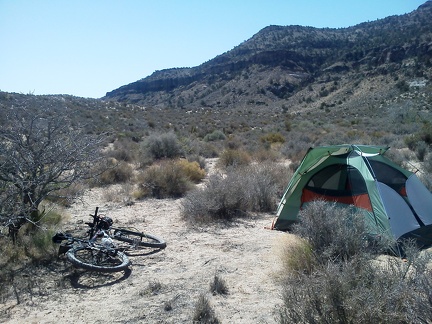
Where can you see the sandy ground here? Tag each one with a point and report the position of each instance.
(161, 286)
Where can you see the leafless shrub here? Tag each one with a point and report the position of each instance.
(264, 184)
(296, 146)
(428, 163)
(65, 197)
(266, 155)
(40, 154)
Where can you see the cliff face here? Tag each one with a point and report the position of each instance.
(279, 62)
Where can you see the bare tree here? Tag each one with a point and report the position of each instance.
(40, 153)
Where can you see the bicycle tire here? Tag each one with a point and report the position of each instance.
(138, 240)
(96, 259)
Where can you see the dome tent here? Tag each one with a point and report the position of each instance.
(392, 199)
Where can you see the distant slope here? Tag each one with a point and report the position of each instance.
(281, 66)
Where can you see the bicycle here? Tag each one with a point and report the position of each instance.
(91, 255)
(110, 255)
(132, 238)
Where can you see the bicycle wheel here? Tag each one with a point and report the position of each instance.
(98, 259)
(137, 240)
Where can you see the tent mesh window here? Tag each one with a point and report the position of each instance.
(337, 180)
(388, 175)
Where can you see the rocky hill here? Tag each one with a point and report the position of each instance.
(295, 67)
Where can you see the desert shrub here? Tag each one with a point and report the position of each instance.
(161, 146)
(265, 155)
(296, 146)
(191, 170)
(298, 257)
(203, 312)
(218, 286)
(334, 233)
(199, 159)
(221, 199)
(360, 291)
(263, 185)
(124, 150)
(118, 172)
(202, 148)
(164, 180)
(64, 197)
(233, 158)
(427, 163)
(349, 284)
(39, 245)
(402, 85)
(421, 150)
(153, 288)
(422, 138)
(273, 138)
(216, 135)
(34, 242)
(119, 194)
(255, 188)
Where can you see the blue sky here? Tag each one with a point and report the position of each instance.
(89, 47)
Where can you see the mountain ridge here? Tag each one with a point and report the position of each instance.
(279, 62)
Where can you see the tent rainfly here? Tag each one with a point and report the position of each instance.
(393, 200)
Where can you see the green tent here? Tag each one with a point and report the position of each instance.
(393, 200)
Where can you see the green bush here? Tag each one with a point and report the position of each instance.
(191, 170)
(273, 138)
(298, 257)
(233, 158)
(164, 180)
(162, 146)
(216, 135)
(34, 242)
